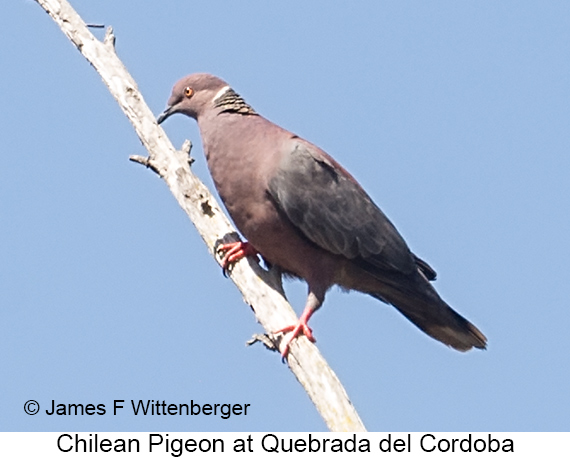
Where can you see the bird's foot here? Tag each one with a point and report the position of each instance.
(301, 328)
(234, 252)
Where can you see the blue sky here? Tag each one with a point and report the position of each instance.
(454, 117)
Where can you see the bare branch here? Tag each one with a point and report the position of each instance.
(261, 290)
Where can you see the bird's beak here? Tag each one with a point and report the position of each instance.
(165, 114)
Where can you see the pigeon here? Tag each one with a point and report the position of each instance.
(302, 211)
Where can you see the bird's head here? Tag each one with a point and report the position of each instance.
(194, 94)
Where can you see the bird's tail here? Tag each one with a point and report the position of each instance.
(435, 317)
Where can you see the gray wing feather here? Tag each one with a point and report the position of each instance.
(334, 212)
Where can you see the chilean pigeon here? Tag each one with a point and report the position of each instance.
(302, 211)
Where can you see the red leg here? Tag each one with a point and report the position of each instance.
(301, 328)
(236, 251)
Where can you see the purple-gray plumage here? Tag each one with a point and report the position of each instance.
(302, 211)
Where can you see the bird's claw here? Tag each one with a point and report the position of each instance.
(301, 328)
(234, 252)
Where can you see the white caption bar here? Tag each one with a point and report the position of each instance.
(183, 444)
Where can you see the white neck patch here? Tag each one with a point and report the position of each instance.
(221, 92)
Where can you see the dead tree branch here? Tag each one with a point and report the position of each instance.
(260, 289)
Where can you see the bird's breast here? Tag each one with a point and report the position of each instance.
(242, 158)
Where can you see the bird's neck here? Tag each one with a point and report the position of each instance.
(231, 102)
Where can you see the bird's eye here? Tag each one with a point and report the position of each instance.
(188, 92)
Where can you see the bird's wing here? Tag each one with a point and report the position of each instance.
(331, 209)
